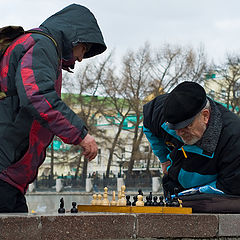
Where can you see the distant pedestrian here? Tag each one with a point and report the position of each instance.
(95, 182)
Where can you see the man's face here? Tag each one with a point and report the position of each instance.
(194, 132)
(79, 51)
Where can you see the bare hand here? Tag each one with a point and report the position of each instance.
(164, 166)
(89, 146)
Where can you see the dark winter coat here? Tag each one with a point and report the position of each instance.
(213, 162)
(31, 66)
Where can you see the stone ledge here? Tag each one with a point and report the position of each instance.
(118, 226)
(88, 227)
(177, 226)
(229, 225)
(20, 227)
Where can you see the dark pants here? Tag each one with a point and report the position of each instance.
(11, 199)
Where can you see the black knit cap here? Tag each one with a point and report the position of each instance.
(183, 103)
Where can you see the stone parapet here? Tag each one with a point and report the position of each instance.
(119, 226)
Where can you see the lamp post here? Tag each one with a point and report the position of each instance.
(120, 163)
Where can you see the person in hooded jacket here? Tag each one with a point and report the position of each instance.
(197, 141)
(32, 67)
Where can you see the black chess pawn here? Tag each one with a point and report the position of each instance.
(128, 200)
(155, 203)
(161, 202)
(175, 202)
(169, 200)
(74, 209)
(140, 192)
(147, 203)
(134, 200)
(61, 209)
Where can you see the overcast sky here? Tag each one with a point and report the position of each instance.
(128, 24)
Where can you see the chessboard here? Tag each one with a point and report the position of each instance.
(134, 209)
(123, 205)
(101, 203)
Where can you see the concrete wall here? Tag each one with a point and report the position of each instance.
(119, 226)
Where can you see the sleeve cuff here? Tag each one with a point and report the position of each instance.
(84, 132)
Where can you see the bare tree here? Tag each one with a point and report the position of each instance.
(136, 79)
(174, 64)
(119, 111)
(85, 101)
(229, 82)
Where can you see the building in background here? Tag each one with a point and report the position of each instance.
(66, 156)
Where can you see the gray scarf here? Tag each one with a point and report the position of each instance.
(210, 138)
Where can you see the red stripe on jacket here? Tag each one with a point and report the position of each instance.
(24, 171)
(57, 122)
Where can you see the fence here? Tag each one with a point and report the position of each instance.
(46, 183)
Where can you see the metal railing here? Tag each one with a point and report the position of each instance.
(46, 183)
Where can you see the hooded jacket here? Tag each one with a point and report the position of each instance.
(211, 165)
(31, 66)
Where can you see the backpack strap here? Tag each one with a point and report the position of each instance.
(49, 36)
(14, 92)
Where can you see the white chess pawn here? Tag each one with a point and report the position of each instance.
(99, 199)
(123, 201)
(94, 201)
(140, 202)
(105, 201)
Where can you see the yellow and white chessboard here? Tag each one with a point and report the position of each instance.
(134, 209)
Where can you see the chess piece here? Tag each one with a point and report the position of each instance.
(74, 209)
(180, 202)
(94, 201)
(161, 202)
(175, 202)
(99, 199)
(150, 199)
(147, 203)
(128, 200)
(140, 202)
(61, 209)
(155, 203)
(105, 201)
(140, 192)
(113, 202)
(119, 197)
(169, 200)
(123, 201)
(134, 200)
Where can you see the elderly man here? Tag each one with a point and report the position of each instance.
(196, 139)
